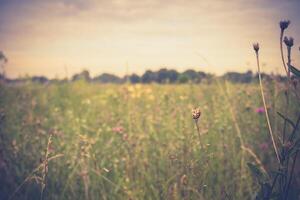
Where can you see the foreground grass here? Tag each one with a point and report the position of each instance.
(133, 141)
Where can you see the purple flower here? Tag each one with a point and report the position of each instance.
(260, 110)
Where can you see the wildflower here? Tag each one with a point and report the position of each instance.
(284, 24)
(289, 42)
(196, 113)
(256, 47)
(118, 129)
(260, 110)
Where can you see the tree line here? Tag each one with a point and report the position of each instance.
(164, 76)
(161, 76)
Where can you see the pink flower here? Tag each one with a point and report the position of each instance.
(260, 110)
(118, 129)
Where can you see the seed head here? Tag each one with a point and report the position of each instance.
(284, 24)
(256, 47)
(196, 113)
(184, 180)
(289, 42)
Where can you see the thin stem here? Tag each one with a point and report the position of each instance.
(291, 176)
(265, 107)
(285, 121)
(291, 138)
(45, 167)
(31, 174)
(198, 131)
(273, 185)
(281, 51)
(20, 186)
(289, 61)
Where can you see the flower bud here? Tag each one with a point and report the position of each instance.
(196, 113)
(289, 42)
(256, 47)
(284, 24)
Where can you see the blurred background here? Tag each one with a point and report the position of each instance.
(58, 38)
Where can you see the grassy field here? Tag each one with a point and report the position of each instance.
(134, 141)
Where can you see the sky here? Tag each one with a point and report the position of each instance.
(57, 38)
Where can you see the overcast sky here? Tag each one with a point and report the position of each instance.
(57, 37)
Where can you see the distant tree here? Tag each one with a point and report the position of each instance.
(191, 74)
(195, 76)
(84, 75)
(173, 75)
(39, 79)
(202, 76)
(108, 78)
(162, 75)
(239, 77)
(209, 78)
(248, 76)
(149, 77)
(134, 78)
(264, 76)
(183, 78)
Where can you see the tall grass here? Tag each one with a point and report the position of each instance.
(131, 141)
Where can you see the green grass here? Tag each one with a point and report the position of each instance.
(157, 155)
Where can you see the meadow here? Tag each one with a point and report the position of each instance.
(136, 141)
